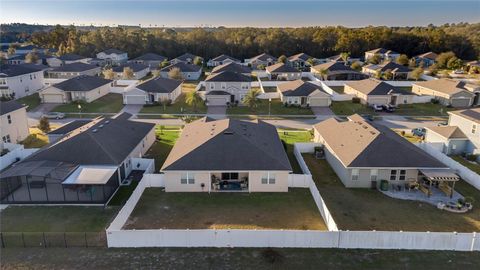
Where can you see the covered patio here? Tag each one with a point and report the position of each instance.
(229, 181)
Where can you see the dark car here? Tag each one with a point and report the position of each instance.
(388, 108)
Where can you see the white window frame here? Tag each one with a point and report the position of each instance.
(402, 176)
(394, 174)
(188, 180)
(373, 174)
(355, 174)
(474, 128)
(268, 179)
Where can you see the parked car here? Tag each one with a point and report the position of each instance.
(54, 115)
(442, 124)
(377, 108)
(388, 108)
(419, 132)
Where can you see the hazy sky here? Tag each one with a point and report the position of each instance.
(240, 13)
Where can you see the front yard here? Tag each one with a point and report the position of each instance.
(349, 108)
(32, 101)
(276, 108)
(179, 107)
(294, 209)
(418, 109)
(366, 209)
(110, 103)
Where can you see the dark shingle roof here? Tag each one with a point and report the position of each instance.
(159, 85)
(111, 51)
(82, 83)
(228, 144)
(228, 76)
(375, 87)
(151, 57)
(299, 56)
(263, 57)
(9, 106)
(16, 70)
(298, 88)
(184, 67)
(69, 127)
(394, 67)
(71, 57)
(333, 66)
(281, 67)
(74, 67)
(224, 57)
(184, 57)
(134, 66)
(235, 67)
(381, 51)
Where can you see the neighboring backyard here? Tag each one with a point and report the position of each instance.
(179, 107)
(110, 103)
(418, 109)
(166, 138)
(36, 139)
(32, 101)
(366, 209)
(276, 108)
(338, 89)
(158, 209)
(474, 166)
(290, 137)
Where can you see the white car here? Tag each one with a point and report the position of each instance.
(54, 115)
(377, 108)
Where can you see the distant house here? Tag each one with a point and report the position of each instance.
(337, 71)
(68, 71)
(363, 154)
(234, 67)
(283, 72)
(221, 60)
(86, 166)
(186, 58)
(189, 72)
(399, 72)
(262, 59)
(373, 91)
(154, 90)
(385, 55)
(227, 155)
(84, 88)
(20, 80)
(57, 134)
(152, 60)
(66, 59)
(14, 122)
(338, 58)
(299, 60)
(303, 94)
(33, 48)
(226, 87)
(426, 59)
(449, 92)
(111, 57)
(139, 71)
(20, 59)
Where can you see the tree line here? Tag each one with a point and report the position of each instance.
(463, 39)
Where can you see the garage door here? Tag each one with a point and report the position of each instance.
(319, 102)
(216, 101)
(378, 100)
(50, 98)
(460, 102)
(131, 99)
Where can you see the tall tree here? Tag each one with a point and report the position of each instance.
(417, 73)
(128, 73)
(251, 99)
(193, 99)
(402, 60)
(345, 56)
(282, 59)
(31, 57)
(44, 125)
(108, 74)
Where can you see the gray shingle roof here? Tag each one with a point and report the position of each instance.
(381, 51)
(263, 57)
(159, 85)
(71, 57)
(228, 76)
(9, 106)
(472, 114)
(235, 67)
(82, 83)
(372, 86)
(184, 57)
(111, 51)
(184, 67)
(299, 56)
(228, 145)
(333, 66)
(74, 67)
(281, 67)
(69, 127)
(298, 88)
(224, 57)
(134, 66)
(15, 70)
(151, 57)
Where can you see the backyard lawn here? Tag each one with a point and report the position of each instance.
(276, 108)
(110, 103)
(408, 136)
(366, 209)
(290, 137)
(474, 166)
(270, 89)
(158, 209)
(31, 101)
(175, 108)
(338, 89)
(163, 145)
(36, 139)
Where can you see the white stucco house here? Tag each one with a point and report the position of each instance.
(283, 72)
(305, 94)
(139, 71)
(372, 91)
(189, 72)
(14, 122)
(261, 59)
(221, 60)
(112, 57)
(20, 80)
(154, 90)
(383, 53)
(85, 88)
(226, 87)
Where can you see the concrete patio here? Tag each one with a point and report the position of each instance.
(417, 195)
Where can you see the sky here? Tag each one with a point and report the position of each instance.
(238, 13)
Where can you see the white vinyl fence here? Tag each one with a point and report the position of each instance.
(16, 153)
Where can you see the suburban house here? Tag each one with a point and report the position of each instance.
(33, 48)
(426, 59)
(84, 88)
(226, 88)
(139, 71)
(234, 67)
(336, 71)
(338, 58)
(283, 72)
(363, 154)
(449, 92)
(262, 59)
(20, 80)
(86, 166)
(299, 60)
(152, 60)
(111, 57)
(372, 91)
(227, 155)
(14, 123)
(21, 59)
(189, 72)
(303, 94)
(399, 72)
(221, 60)
(461, 135)
(66, 59)
(186, 58)
(154, 90)
(385, 55)
(57, 134)
(68, 71)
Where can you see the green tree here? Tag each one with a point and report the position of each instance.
(375, 59)
(197, 61)
(44, 125)
(454, 63)
(11, 50)
(345, 56)
(443, 58)
(128, 73)
(108, 74)
(412, 63)
(175, 74)
(155, 73)
(251, 99)
(311, 61)
(323, 73)
(378, 74)
(387, 75)
(193, 99)
(261, 67)
(402, 60)
(31, 57)
(356, 66)
(417, 73)
(282, 59)
(164, 63)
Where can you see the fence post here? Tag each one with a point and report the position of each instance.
(1, 238)
(44, 241)
(65, 239)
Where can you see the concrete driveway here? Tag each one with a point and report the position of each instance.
(132, 109)
(217, 111)
(323, 112)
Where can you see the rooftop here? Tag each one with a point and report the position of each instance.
(447, 86)
(151, 57)
(184, 67)
(449, 132)
(299, 56)
(9, 106)
(74, 67)
(135, 67)
(82, 83)
(228, 76)
(299, 88)
(372, 86)
(71, 57)
(159, 85)
(472, 114)
(281, 67)
(235, 67)
(224, 57)
(263, 57)
(113, 51)
(16, 70)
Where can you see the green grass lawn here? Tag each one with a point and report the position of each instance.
(338, 89)
(277, 108)
(158, 209)
(110, 103)
(31, 101)
(162, 147)
(349, 108)
(366, 209)
(56, 218)
(475, 167)
(405, 88)
(420, 109)
(36, 139)
(290, 137)
(270, 89)
(175, 108)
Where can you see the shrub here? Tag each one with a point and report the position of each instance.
(355, 100)
(435, 101)
(471, 157)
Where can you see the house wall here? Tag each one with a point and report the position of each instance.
(169, 96)
(91, 95)
(445, 99)
(68, 75)
(22, 85)
(255, 182)
(188, 76)
(52, 94)
(449, 147)
(16, 129)
(113, 58)
(238, 89)
(139, 151)
(467, 126)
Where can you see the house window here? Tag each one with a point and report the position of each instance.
(187, 178)
(6, 139)
(355, 173)
(229, 176)
(9, 119)
(268, 178)
(474, 129)
(212, 86)
(402, 175)
(373, 174)
(393, 175)
(224, 86)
